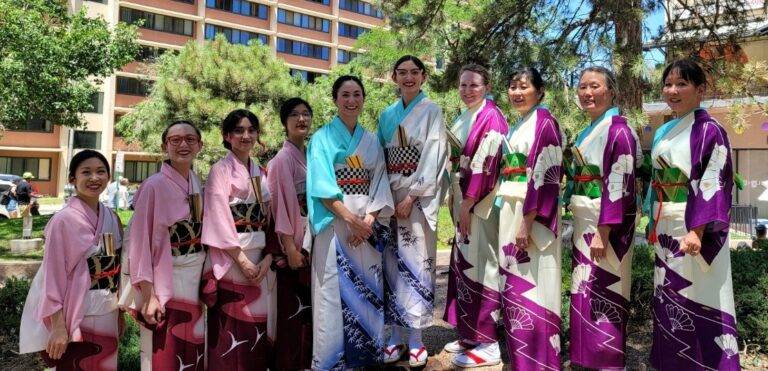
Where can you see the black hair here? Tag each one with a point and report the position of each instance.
(230, 122)
(179, 122)
(287, 107)
(413, 59)
(687, 69)
(533, 76)
(478, 69)
(83, 155)
(610, 79)
(341, 80)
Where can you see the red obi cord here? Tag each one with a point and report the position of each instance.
(659, 187)
(109, 273)
(191, 242)
(245, 223)
(352, 181)
(586, 178)
(509, 171)
(402, 167)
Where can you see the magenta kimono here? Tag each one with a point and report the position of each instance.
(240, 313)
(606, 155)
(164, 249)
(694, 321)
(287, 186)
(473, 300)
(79, 276)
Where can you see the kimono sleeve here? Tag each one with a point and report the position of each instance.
(711, 182)
(618, 192)
(486, 160)
(56, 267)
(545, 166)
(218, 224)
(150, 240)
(284, 203)
(379, 192)
(434, 156)
(321, 180)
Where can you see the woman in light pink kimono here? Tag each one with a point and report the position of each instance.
(287, 186)
(694, 318)
(165, 258)
(237, 277)
(71, 312)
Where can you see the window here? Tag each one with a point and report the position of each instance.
(132, 86)
(87, 139)
(98, 1)
(307, 76)
(36, 125)
(233, 35)
(150, 54)
(348, 30)
(345, 56)
(303, 20)
(302, 49)
(361, 7)
(39, 167)
(324, 2)
(158, 22)
(138, 171)
(186, 1)
(97, 103)
(242, 7)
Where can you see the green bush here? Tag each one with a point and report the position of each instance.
(128, 357)
(750, 288)
(12, 297)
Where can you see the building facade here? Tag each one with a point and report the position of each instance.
(311, 36)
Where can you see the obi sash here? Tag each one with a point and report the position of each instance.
(185, 237)
(402, 160)
(248, 217)
(302, 204)
(587, 181)
(670, 185)
(513, 167)
(105, 271)
(353, 181)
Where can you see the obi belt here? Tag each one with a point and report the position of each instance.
(105, 271)
(302, 204)
(513, 168)
(353, 181)
(402, 160)
(249, 217)
(587, 181)
(185, 237)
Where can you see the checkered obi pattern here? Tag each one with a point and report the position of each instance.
(302, 204)
(670, 184)
(402, 160)
(248, 217)
(353, 181)
(513, 167)
(105, 271)
(185, 237)
(587, 181)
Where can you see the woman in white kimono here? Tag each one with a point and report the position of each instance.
(529, 242)
(347, 191)
(412, 132)
(694, 319)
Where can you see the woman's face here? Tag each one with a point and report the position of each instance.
(594, 95)
(349, 99)
(182, 144)
(299, 121)
(91, 178)
(522, 94)
(681, 95)
(409, 78)
(243, 137)
(472, 88)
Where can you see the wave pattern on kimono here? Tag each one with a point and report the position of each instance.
(606, 156)
(531, 299)
(693, 308)
(415, 146)
(473, 300)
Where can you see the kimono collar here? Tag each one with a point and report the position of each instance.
(394, 115)
(295, 152)
(81, 207)
(170, 172)
(663, 130)
(250, 169)
(341, 132)
(525, 118)
(613, 111)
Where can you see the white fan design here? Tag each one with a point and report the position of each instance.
(616, 185)
(679, 319)
(604, 311)
(519, 319)
(659, 276)
(488, 147)
(582, 275)
(550, 157)
(554, 340)
(710, 181)
(727, 342)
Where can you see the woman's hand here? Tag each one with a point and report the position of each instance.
(263, 268)
(403, 209)
(523, 238)
(465, 219)
(296, 259)
(57, 342)
(152, 311)
(597, 247)
(249, 269)
(691, 243)
(359, 229)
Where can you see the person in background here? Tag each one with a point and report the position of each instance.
(116, 194)
(26, 196)
(760, 242)
(13, 204)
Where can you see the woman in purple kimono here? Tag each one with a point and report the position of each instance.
(529, 255)
(605, 156)
(473, 301)
(694, 323)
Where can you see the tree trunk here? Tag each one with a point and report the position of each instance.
(627, 20)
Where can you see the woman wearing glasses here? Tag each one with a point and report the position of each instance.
(165, 257)
(237, 280)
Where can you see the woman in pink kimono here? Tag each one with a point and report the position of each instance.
(237, 279)
(694, 319)
(473, 301)
(71, 312)
(287, 185)
(165, 257)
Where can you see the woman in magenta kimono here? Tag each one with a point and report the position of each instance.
(473, 301)
(165, 257)
(71, 312)
(605, 156)
(694, 319)
(287, 185)
(529, 255)
(237, 279)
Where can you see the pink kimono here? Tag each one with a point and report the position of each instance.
(164, 249)
(79, 278)
(287, 185)
(240, 314)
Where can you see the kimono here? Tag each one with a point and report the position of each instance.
(473, 301)
(347, 281)
(287, 186)
(241, 318)
(415, 148)
(694, 321)
(530, 278)
(606, 155)
(164, 249)
(80, 276)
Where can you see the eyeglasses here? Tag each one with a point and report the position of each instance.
(177, 139)
(295, 115)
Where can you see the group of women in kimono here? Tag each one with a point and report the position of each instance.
(325, 258)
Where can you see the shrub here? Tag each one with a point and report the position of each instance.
(750, 288)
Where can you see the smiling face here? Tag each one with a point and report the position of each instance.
(243, 137)
(472, 88)
(595, 96)
(298, 122)
(409, 78)
(182, 144)
(91, 177)
(681, 95)
(522, 94)
(349, 100)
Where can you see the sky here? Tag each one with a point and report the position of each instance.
(652, 22)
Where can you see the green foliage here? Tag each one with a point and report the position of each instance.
(750, 287)
(12, 297)
(49, 60)
(11, 229)
(129, 349)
